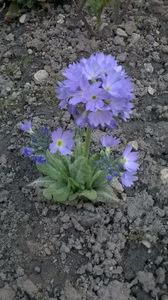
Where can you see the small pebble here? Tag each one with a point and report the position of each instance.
(40, 76)
(164, 175)
(37, 269)
(146, 243)
(151, 91)
(149, 68)
(121, 32)
(22, 19)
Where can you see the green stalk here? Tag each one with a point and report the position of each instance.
(87, 142)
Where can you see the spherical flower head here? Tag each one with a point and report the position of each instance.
(61, 141)
(130, 160)
(26, 126)
(108, 141)
(27, 151)
(128, 179)
(100, 86)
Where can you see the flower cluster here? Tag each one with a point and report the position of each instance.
(125, 167)
(96, 91)
(61, 141)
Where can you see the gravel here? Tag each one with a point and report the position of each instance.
(84, 252)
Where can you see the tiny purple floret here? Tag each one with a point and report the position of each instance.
(128, 179)
(40, 159)
(27, 151)
(130, 160)
(26, 126)
(109, 141)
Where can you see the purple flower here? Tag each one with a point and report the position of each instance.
(130, 160)
(73, 75)
(27, 151)
(99, 86)
(101, 118)
(94, 96)
(117, 86)
(98, 65)
(26, 126)
(128, 179)
(61, 141)
(127, 110)
(109, 141)
(40, 159)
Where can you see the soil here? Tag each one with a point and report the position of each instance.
(99, 252)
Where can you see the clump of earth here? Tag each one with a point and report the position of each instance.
(50, 251)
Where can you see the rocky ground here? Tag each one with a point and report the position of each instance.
(85, 252)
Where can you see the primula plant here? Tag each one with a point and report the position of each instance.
(96, 92)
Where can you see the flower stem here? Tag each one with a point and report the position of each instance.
(87, 142)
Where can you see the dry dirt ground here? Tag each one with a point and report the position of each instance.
(87, 252)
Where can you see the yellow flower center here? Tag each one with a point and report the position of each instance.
(59, 143)
(107, 101)
(93, 97)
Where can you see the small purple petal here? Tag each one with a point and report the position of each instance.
(130, 160)
(109, 141)
(109, 177)
(128, 179)
(27, 151)
(40, 159)
(26, 126)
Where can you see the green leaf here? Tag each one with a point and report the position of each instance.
(47, 194)
(49, 171)
(89, 194)
(57, 193)
(74, 183)
(81, 171)
(41, 182)
(107, 194)
(79, 149)
(56, 162)
(98, 179)
(73, 197)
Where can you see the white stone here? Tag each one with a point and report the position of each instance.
(40, 76)
(151, 91)
(117, 185)
(60, 19)
(148, 67)
(30, 51)
(135, 38)
(146, 243)
(121, 32)
(134, 144)
(22, 19)
(164, 175)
